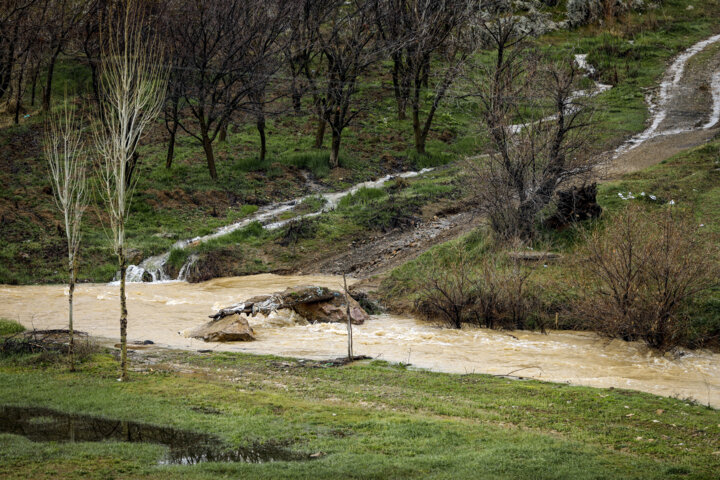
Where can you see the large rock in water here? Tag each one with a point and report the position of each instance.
(316, 304)
(331, 311)
(232, 328)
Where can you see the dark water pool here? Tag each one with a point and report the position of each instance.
(184, 447)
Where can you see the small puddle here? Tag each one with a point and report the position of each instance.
(184, 447)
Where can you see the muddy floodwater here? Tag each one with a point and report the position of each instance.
(162, 311)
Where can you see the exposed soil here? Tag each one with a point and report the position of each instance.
(689, 108)
(383, 252)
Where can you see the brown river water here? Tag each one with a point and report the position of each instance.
(162, 311)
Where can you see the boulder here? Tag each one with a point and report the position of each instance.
(315, 304)
(576, 204)
(332, 311)
(231, 328)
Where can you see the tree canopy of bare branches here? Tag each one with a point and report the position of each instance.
(222, 47)
(15, 25)
(429, 42)
(539, 124)
(347, 37)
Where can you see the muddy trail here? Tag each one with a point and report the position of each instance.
(684, 109)
(384, 251)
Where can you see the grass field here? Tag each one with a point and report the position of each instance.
(369, 420)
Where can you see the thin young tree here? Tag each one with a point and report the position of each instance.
(133, 82)
(67, 165)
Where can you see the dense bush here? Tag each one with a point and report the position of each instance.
(641, 273)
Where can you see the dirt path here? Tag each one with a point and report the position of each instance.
(684, 112)
(383, 252)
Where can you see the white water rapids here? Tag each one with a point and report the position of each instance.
(159, 311)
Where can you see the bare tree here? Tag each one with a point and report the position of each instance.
(62, 19)
(266, 48)
(539, 124)
(347, 37)
(67, 162)
(421, 33)
(217, 38)
(15, 23)
(133, 80)
(304, 59)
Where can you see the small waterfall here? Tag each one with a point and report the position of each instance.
(155, 266)
(182, 276)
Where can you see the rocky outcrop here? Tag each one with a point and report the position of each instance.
(581, 12)
(231, 328)
(315, 304)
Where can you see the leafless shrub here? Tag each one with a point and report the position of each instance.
(448, 293)
(640, 273)
(494, 292)
(505, 296)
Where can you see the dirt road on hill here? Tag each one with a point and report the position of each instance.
(685, 112)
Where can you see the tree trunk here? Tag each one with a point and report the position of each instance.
(263, 140)
(209, 154)
(420, 135)
(222, 137)
(397, 88)
(47, 93)
(123, 319)
(34, 87)
(71, 291)
(18, 99)
(320, 132)
(335, 149)
(349, 320)
(296, 96)
(171, 148)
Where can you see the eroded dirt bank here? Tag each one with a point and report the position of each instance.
(158, 312)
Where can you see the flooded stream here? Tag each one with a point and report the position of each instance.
(161, 311)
